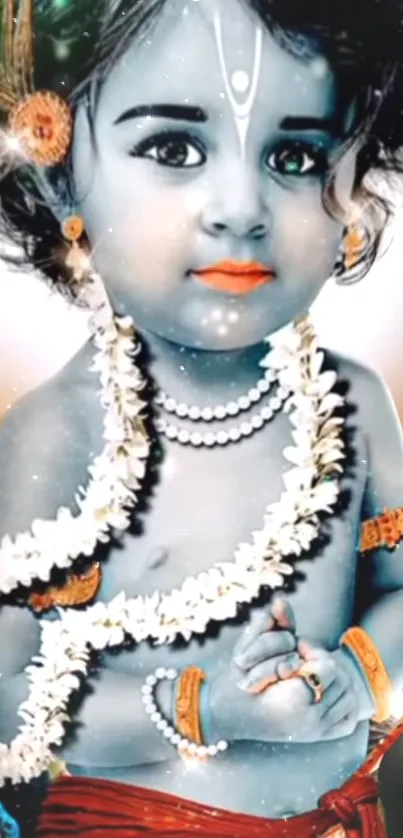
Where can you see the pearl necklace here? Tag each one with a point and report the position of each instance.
(234, 434)
(220, 411)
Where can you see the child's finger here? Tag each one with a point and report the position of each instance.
(268, 645)
(268, 673)
(280, 616)
(283, 614)
(259, 623)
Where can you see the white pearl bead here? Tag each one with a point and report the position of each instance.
(263, 385)
(196, 439)
(257, 422)
(146, 690)
(201, 751)
(156, 717)
(181, 411)
(266, 413)
(151, 680)
(184, 437)
(171, 674)
(275, 403)
(222, 437)
(270, 375)
(246, 429)
(232, 409)
(171, 432)
(220, 412)
(244, 402)
(184, 744)
(222, 745)
(148, 700)
(170, 405)
(234, 434)
(194, 413)
(160, 673)
(175, 739)
(207, 414)
(254, 394)
(168, 732)
(150, 709)
(192, 749)
(161, 725)
(212, 750)
(209, 439)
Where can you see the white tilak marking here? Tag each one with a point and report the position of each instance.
(241, 110)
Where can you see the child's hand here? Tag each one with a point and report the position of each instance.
(261, 696)
(268, 650)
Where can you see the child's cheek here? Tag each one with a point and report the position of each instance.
(306, 238)
(159, 241)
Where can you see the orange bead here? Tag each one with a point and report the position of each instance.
(73, 228)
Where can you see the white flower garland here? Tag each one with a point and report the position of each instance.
(114, 475)
(289, 527)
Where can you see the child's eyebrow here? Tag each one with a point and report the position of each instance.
(187, 113)
(311, 123)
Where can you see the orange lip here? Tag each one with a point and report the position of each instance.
(235, 277)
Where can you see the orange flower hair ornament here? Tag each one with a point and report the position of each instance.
(39, 122)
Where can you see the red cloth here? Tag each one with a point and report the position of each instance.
(81, 806)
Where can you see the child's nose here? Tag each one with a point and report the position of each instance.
(236, 207)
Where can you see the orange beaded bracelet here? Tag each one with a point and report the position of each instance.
(364, 650)
(386, 530)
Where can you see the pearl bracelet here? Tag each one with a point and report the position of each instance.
(171, 735)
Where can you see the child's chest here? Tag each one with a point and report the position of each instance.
(206, 502)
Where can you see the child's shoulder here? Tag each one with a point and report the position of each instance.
(369, 399)
(360, 382)
(46, 444)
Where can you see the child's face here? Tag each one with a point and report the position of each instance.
(169, 192)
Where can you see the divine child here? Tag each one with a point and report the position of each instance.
(202, 589)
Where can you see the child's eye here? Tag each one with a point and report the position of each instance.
(178, 151)
(294, 158)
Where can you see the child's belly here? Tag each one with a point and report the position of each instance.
(271, 781)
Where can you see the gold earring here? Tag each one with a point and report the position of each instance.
(76, 259)
(353, 246)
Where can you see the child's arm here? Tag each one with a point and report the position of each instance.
(111, 728)
(44, 447)
(381, 571)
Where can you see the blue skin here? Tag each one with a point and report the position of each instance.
(167, 220)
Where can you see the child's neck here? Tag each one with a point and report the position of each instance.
(203, 377)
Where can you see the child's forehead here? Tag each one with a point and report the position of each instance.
(193, 45)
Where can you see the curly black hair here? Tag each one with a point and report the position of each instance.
(76, 42)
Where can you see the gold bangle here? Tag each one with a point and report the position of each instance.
(187, 708)
(366, 653)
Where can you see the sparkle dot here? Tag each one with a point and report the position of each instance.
(319, 67)
(240, 81)
(62, 50)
